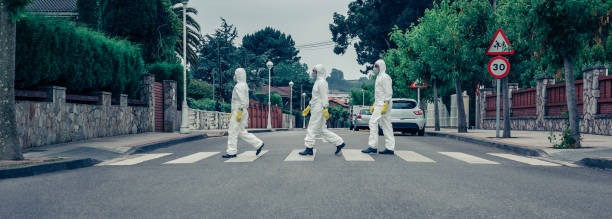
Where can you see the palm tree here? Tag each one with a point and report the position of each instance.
(194, 37)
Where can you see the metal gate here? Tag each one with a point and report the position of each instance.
(159, 106)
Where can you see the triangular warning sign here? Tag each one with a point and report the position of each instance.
(500, 45)
(418, 84)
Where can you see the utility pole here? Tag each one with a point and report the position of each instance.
(217, 107)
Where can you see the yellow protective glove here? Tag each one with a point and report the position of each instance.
(306, 111)
(384, 109)
(372, 109)
(238, 115)
(326, 113)
(230, 118)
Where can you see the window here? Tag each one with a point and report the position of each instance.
(404, 104)
(364, 112)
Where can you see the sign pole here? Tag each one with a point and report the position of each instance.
(497, 109)
(419, 96)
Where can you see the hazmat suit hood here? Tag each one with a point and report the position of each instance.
(320, 72)
(382, 67)
(240, 75)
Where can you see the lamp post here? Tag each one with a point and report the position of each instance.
(362, 97)
(303, 106)
(269, 64)
(291, 103)
(185, 109)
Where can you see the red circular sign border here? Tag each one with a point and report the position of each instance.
(507, 69)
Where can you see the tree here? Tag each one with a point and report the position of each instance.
(152, 24)
(273, 43)
(218, 59)
(368, 24)
(561, 29)
(10, 12)
(194, 37)
(359, 98)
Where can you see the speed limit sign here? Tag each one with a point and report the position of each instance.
(499, 67)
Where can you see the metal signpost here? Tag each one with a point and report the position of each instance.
(418, 84)
(499, 67)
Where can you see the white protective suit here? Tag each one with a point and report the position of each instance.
(317, 125)
(240, 101)
(383, 92)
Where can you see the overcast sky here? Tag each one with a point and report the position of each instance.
(306, 21)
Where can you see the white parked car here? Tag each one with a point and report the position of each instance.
(406, 117)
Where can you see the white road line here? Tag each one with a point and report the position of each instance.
(355, 155)
(138, 159)
(192, 158)
(468, 158)
(247, 156)
(412, 156)
(527, 160)
(294, 156)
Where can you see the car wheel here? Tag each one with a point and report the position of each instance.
(422, 132)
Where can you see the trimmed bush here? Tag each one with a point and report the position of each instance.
(56, 52)
(208, 104)
(199, 89)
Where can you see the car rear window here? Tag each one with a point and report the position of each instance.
(364, 112)
(404, 104)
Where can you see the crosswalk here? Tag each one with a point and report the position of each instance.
(349, 155)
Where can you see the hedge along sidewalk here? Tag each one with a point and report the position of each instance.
(596, 150)
(74, 155)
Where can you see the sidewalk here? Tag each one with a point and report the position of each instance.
(596, 149)
(86, 153)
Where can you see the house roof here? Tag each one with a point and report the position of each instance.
(338, 101)
(52, 6)
(282, 91)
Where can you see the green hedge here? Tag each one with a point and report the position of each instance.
(207, 104)
(56, 52)
(199, 89)
(276, 100)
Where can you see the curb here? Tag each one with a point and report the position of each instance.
(505, 146)
(597, 162)
(47, 168)
(268, 130)
(165, 143)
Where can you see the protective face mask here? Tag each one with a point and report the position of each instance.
(376, 70)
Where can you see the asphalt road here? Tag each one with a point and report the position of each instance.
(328, 187)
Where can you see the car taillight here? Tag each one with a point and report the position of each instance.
(418, 112)
(359, 117)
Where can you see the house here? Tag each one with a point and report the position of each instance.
(284, 92)
(334, 102)
(54, 8)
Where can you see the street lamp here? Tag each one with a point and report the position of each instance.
(291, 103)
(303, 106)
(362, 97)
(269, 64)
(185, 109)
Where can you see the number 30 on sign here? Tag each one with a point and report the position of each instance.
(499, 67)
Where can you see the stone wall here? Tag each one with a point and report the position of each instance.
(601, 124)
(443, 113)
(590, 122)
(208, 120)
(288, 121)
(56, 121)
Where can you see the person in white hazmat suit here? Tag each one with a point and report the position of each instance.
(319, 114)
(381, 111)
(239, 117)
